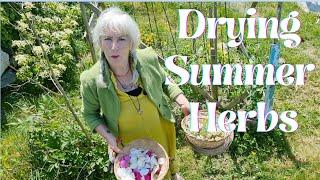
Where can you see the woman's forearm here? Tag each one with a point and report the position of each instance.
(104, 132)
(108, 136)
(181, 100)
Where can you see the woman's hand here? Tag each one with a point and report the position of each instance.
(183, 102)
(113, 144)
(109, 137)
(185, 108)
(113, 148)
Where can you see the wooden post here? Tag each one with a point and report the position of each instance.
(192, 30)
(213, 52)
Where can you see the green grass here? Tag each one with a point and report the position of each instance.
(273, 155)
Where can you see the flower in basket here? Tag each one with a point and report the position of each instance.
(139, 164)
(203, 134)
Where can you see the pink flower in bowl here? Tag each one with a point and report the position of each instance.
(124, 164)
(149, 153)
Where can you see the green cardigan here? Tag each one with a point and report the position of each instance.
(101, 104)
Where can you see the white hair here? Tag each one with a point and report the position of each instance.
(116, 20)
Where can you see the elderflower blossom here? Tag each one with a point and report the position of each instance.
(19, 43)
(44, 32)
(60, 7)
(56, 72)
(73, 23)
(22, 59)
(57, 34)
(22, 26)
(37, 50)
(45, 47)
(61, 67)
(68, 31)
(64, 43)
(48, 20)
(28, 5)
(44, 74)
(56, 19)
(140, 163)
(29, 15)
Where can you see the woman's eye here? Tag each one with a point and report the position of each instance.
(108, 39)
(122, 39)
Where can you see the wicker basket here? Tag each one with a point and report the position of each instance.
(145, 144)
(215, 151)
(199, 142)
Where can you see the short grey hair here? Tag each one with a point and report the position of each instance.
(119, 21)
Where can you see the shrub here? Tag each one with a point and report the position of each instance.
(57, 26)
(8, 32)
(62, 151)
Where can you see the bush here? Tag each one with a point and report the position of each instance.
(61, 151)
(57, 26)
(8, 32)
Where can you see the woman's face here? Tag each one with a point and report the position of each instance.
(116, 47)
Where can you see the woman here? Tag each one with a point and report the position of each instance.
(127, 88)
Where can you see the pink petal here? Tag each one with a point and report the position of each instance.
(158, 171)
(149, 153)
(136, 170)
(148, 176)
(123, 163)
(137, 175)
(126, 157)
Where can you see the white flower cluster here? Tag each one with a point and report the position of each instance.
(126, 173)
(22, 59)
(141, 160)
(21, 26)
(28, 5)
(44, 32)
(57, 19)
(139, 164)
(19, 43)
(37, 50)
(47, 20)
(64, 43)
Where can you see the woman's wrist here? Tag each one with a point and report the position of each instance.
(181, 100)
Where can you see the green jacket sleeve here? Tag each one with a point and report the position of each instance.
(90, 105)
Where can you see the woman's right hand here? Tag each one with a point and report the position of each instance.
(113, 149)
(109, 137)
(112, 143)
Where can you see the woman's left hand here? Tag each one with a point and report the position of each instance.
(185, 108)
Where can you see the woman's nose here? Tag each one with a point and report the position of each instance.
(114, 45)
